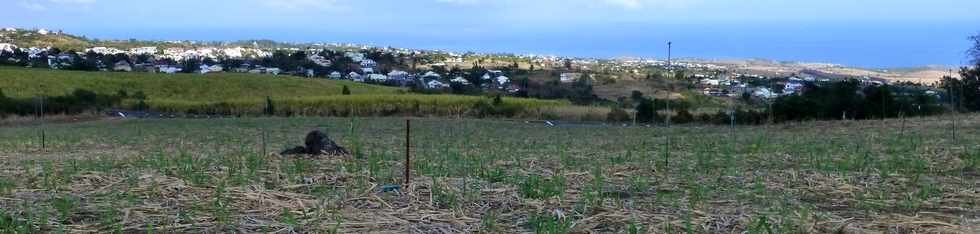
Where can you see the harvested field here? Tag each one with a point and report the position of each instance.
(222, 175)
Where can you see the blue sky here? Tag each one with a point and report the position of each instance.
(871, 33)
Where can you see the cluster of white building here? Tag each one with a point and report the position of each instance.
(178, 54)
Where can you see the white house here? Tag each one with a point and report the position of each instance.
(398, 75)
(122, 65)
(502, 80)
(377, 77)
(61, 60)
(763, 93)
(335, 75)
(460, 80)
(794, 85)
(435, 84)
(496, 73)
(357, 57)
(368, 63)
(454, 59)
(43, 31)
(169, 69)
(143, 50)
(569, 77)
(431, 75)
(7, 47)
(355, 77)
(712, 82)
(320, 60)
(273, 70)
(34, 52)
(105, 50)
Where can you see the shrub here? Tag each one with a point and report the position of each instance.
(618, 115)
(683, 116)
(645, 112)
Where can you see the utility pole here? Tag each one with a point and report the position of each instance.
(671, 89)
(772, 91)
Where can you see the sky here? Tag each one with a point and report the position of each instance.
(864, 33)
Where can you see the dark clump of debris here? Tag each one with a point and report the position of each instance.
(317, 143)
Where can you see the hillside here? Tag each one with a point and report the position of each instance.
(245, 94)
(921, 75)
(25, 82)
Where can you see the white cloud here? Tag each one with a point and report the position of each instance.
(618, 4)
(641, 4)
(460, 2)
(628, 4)
(73, 1)
(40, 5)
(32, 5)
(300, 4)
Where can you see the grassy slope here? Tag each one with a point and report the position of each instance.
(236, 93)
(24, 82)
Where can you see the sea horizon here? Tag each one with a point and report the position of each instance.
(863, 45)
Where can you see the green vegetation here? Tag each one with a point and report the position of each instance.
(847, 100)
(240, 94)
(220, 175)
(29, 83)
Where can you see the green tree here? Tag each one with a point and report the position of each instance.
(190, 65)
(636, 95)
(618, 115)
(345, 91)
(974, 52)
(880, 101)
(269, 108)
(645, 112)
(964, 91)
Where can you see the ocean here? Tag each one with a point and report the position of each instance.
(866, 44)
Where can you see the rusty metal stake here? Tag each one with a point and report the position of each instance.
(408, 151)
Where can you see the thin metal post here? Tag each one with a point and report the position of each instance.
(902, 133)
(408, 151)
(262, 133)
(667, 154)
(634, 118)
(670, 72)
(883, 109)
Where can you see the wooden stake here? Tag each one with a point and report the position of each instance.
(408, 152)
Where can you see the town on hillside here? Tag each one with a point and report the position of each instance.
(582, 80)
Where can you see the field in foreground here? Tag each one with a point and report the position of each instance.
(492, 176)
